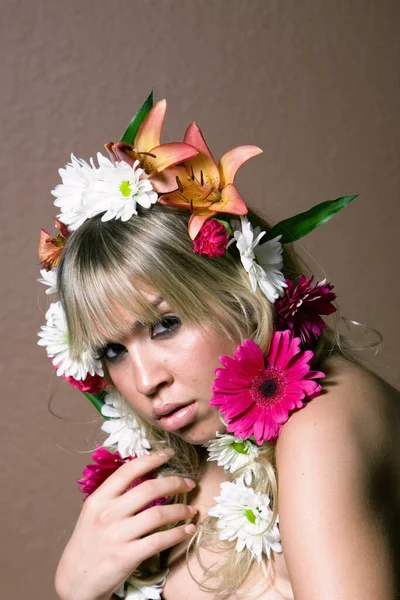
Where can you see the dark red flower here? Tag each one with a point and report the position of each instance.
(211, 240)
(106, 464)
(300, 308)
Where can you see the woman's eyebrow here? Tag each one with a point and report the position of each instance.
(136, 324)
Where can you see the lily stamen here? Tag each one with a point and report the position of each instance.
(179, 184)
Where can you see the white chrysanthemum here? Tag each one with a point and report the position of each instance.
(233, 454)
(120, 189)
(75, 196)
(54, 336)
(49, 278)
(245, 515)
(138, 591)
(262, 263)
(124, 429)
(87, 190)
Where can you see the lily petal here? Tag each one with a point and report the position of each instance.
(190, 194)
(232, 160)
(196, 222)
(167, 155)
(121, 152)
(149, 133)
(50, 249)
(164, 182)
(231, 202)
(203, 165)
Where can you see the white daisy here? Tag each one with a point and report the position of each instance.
(124, 428)
(233, 454)
(49, 278)
(245, 515)
(137, 591)
(75, 196)
(120, 189)
(87, 190)
(54, 335)
(262, 263)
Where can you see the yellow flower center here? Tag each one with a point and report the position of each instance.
(240, 447)
(250, 516)
(125, 188)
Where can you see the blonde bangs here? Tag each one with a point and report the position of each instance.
(106, 266)
(94, 319)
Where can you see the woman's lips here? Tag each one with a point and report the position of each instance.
(179, 418)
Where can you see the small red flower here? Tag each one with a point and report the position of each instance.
(93, 384)
(300, 308)
(106, 464)
(211, 240)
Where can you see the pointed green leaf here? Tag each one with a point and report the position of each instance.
(226, 225)
(137, 120)
(97, 400)
(296, 227)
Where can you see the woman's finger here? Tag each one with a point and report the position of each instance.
(142, 495)
(157, 542)
(154, 518)
(122, 478)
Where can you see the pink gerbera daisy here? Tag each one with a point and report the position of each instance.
(300, 308)
(106, 464)
(256, 395)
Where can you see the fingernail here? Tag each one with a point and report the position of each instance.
(190, 482)
(166, 452)
(193, 510)
(190, 528)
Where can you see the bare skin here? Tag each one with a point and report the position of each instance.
(339, 498)
(112, 538)
(338, 470)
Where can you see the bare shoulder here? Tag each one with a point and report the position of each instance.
(356, 408)
(338, 463)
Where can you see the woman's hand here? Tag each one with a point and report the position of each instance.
(111, 540)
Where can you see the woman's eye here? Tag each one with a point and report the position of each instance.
(111, 352)
(164, 326)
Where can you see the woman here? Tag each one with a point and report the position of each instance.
(220, 370)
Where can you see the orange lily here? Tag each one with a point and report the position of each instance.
(156, 160)
(51, 248)
(206, 188)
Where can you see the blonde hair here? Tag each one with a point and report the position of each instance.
(104, 266)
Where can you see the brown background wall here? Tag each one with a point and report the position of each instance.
(314, 83)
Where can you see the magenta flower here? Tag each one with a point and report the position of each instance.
(256, 395)
(106, 464)
(211, 240)
(300, 308)
(92, 383)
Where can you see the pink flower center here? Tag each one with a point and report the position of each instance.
(268, 388)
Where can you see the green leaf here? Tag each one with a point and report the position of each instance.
(226, 225)
(137, 120)
(97, 400)
(302, 224)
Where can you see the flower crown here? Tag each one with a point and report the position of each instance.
(142, 171)
(255, 393)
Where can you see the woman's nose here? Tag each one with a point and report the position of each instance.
(151, 371)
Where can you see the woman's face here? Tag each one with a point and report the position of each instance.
(165, 372)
